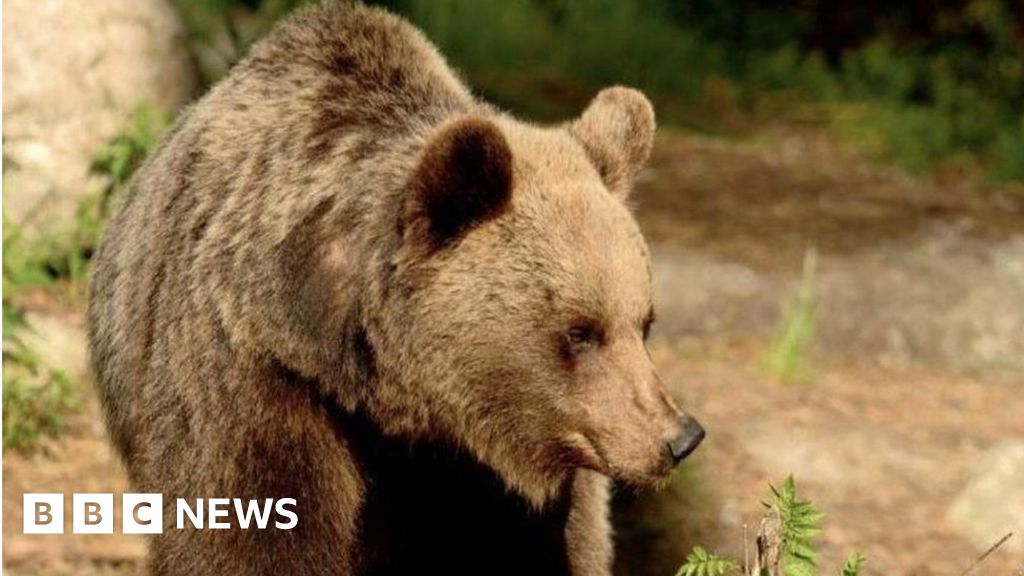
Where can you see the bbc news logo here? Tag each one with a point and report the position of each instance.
(143, 513)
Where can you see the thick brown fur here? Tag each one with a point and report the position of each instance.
(342, 279)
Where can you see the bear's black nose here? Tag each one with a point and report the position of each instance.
(690, 435)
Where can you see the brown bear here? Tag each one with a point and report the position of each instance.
(343, 279)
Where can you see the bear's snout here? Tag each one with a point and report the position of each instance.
(687, 439)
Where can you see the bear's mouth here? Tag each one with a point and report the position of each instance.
(587, 453)
(590, 455)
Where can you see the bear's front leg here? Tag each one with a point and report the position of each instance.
(273, 438)
(588, 532)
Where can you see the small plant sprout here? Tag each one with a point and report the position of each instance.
(788, 356)
(853, 564)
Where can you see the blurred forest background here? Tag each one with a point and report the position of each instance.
(922, 83)
(835, 206)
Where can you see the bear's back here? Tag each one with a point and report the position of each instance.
(314, 123)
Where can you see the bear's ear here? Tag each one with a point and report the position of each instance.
(617, 131)
(464, 178)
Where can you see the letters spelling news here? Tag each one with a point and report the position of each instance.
(143, 513)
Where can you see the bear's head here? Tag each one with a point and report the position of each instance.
(515, 311)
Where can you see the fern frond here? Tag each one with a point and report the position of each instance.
(700, 562)
(801, 523)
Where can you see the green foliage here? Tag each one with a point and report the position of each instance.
(930, 106)
(35, 397)
(22, 265)
(123, 154)
(548, 60)
(955, 92)
(789, 70)
(788, 355)
(914, 136)
(927, 85)
(853, 564)
(63, 255)
(787, 534)
(700, 562)
(117, 161)
(1009, 153)
(801, 524)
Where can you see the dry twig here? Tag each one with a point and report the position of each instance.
(986, 554)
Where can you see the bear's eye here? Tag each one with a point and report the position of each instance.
(583, 337)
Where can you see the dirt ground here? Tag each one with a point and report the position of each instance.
(917, 369)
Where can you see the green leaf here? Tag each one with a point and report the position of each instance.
(853, 564)
(700, 562)
(801, 524)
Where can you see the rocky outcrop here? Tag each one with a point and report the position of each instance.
(72, 73)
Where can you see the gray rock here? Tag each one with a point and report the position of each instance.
(698, 294)
(937, 299)
(72, 73)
